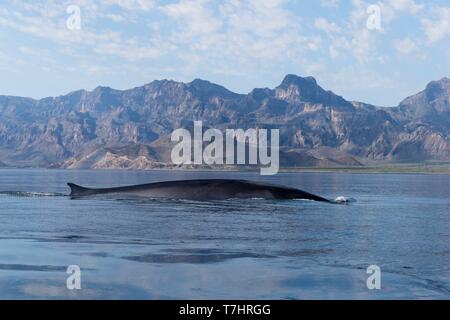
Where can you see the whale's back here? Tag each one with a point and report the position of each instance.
(207, 189)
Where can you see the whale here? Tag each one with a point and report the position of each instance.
(199, 190)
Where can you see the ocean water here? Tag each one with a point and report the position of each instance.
(249, 249)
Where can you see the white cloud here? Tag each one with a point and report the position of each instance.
(130, 5)
(250, 34)
(437, 27)
(52, 31)
(194, 15)
(405, 46)
(356, 39)
(324, 25)
(115, 17)
(261, 18)
(129, 52)
(406, 5)
(314, 43)
(333, 52)
(363, 45)
(107, 42)
(389, 10)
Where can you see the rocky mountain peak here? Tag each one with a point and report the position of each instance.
(434, 99)
(306, 89)
(292, 79)
(208, 89)
(438, 89)
(159, 84)
(197, 89)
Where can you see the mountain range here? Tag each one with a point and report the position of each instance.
(108, 128)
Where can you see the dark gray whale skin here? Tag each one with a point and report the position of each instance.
(200, 190)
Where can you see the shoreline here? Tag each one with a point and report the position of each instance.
(393, 169)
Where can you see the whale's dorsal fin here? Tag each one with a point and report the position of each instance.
(76, 190)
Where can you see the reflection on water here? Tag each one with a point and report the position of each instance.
(253, 248)
(193, 256)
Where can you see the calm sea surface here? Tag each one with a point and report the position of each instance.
(251, 249)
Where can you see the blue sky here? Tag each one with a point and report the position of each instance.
(240, 44)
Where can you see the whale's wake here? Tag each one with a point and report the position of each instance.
(25, 194)
(343, 200)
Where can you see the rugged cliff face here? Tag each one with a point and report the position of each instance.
(424, 120)
(107, 128)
